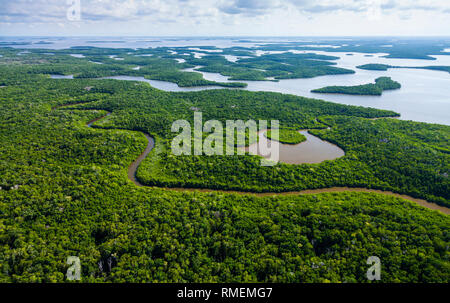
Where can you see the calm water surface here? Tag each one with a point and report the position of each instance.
(424, 96)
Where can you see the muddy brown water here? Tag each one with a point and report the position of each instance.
(90, 123)
(421, 202)
(151, 144)
(134, 166)
(313, 150)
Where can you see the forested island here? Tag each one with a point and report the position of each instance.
(381, 84)
(384, 67)
(380, 67)
(164, 64)
(64, 188)
(287, 136)
(277, 66)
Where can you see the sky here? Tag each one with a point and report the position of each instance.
(225, 18)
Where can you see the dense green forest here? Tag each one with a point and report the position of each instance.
(287, 136)
(163, 64)
(276, 66)
(380, 67)
(98, 63)
(381, 84)
(438, 68)
(386, 83)
(382, 154)
(64, 189)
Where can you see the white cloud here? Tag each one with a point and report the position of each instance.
(221, 15)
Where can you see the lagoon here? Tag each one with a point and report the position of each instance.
(313, 150)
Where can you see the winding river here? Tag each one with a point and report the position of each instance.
(151, 144)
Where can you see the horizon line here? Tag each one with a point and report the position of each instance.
(243, 36)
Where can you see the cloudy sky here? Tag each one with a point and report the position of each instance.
(224, 17)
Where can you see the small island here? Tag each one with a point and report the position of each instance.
(437, 68)
(373, 89)
(287, 136)
(375, 66)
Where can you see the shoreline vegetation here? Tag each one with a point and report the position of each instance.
(384, 67)
(381, 84)
(287, 136)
